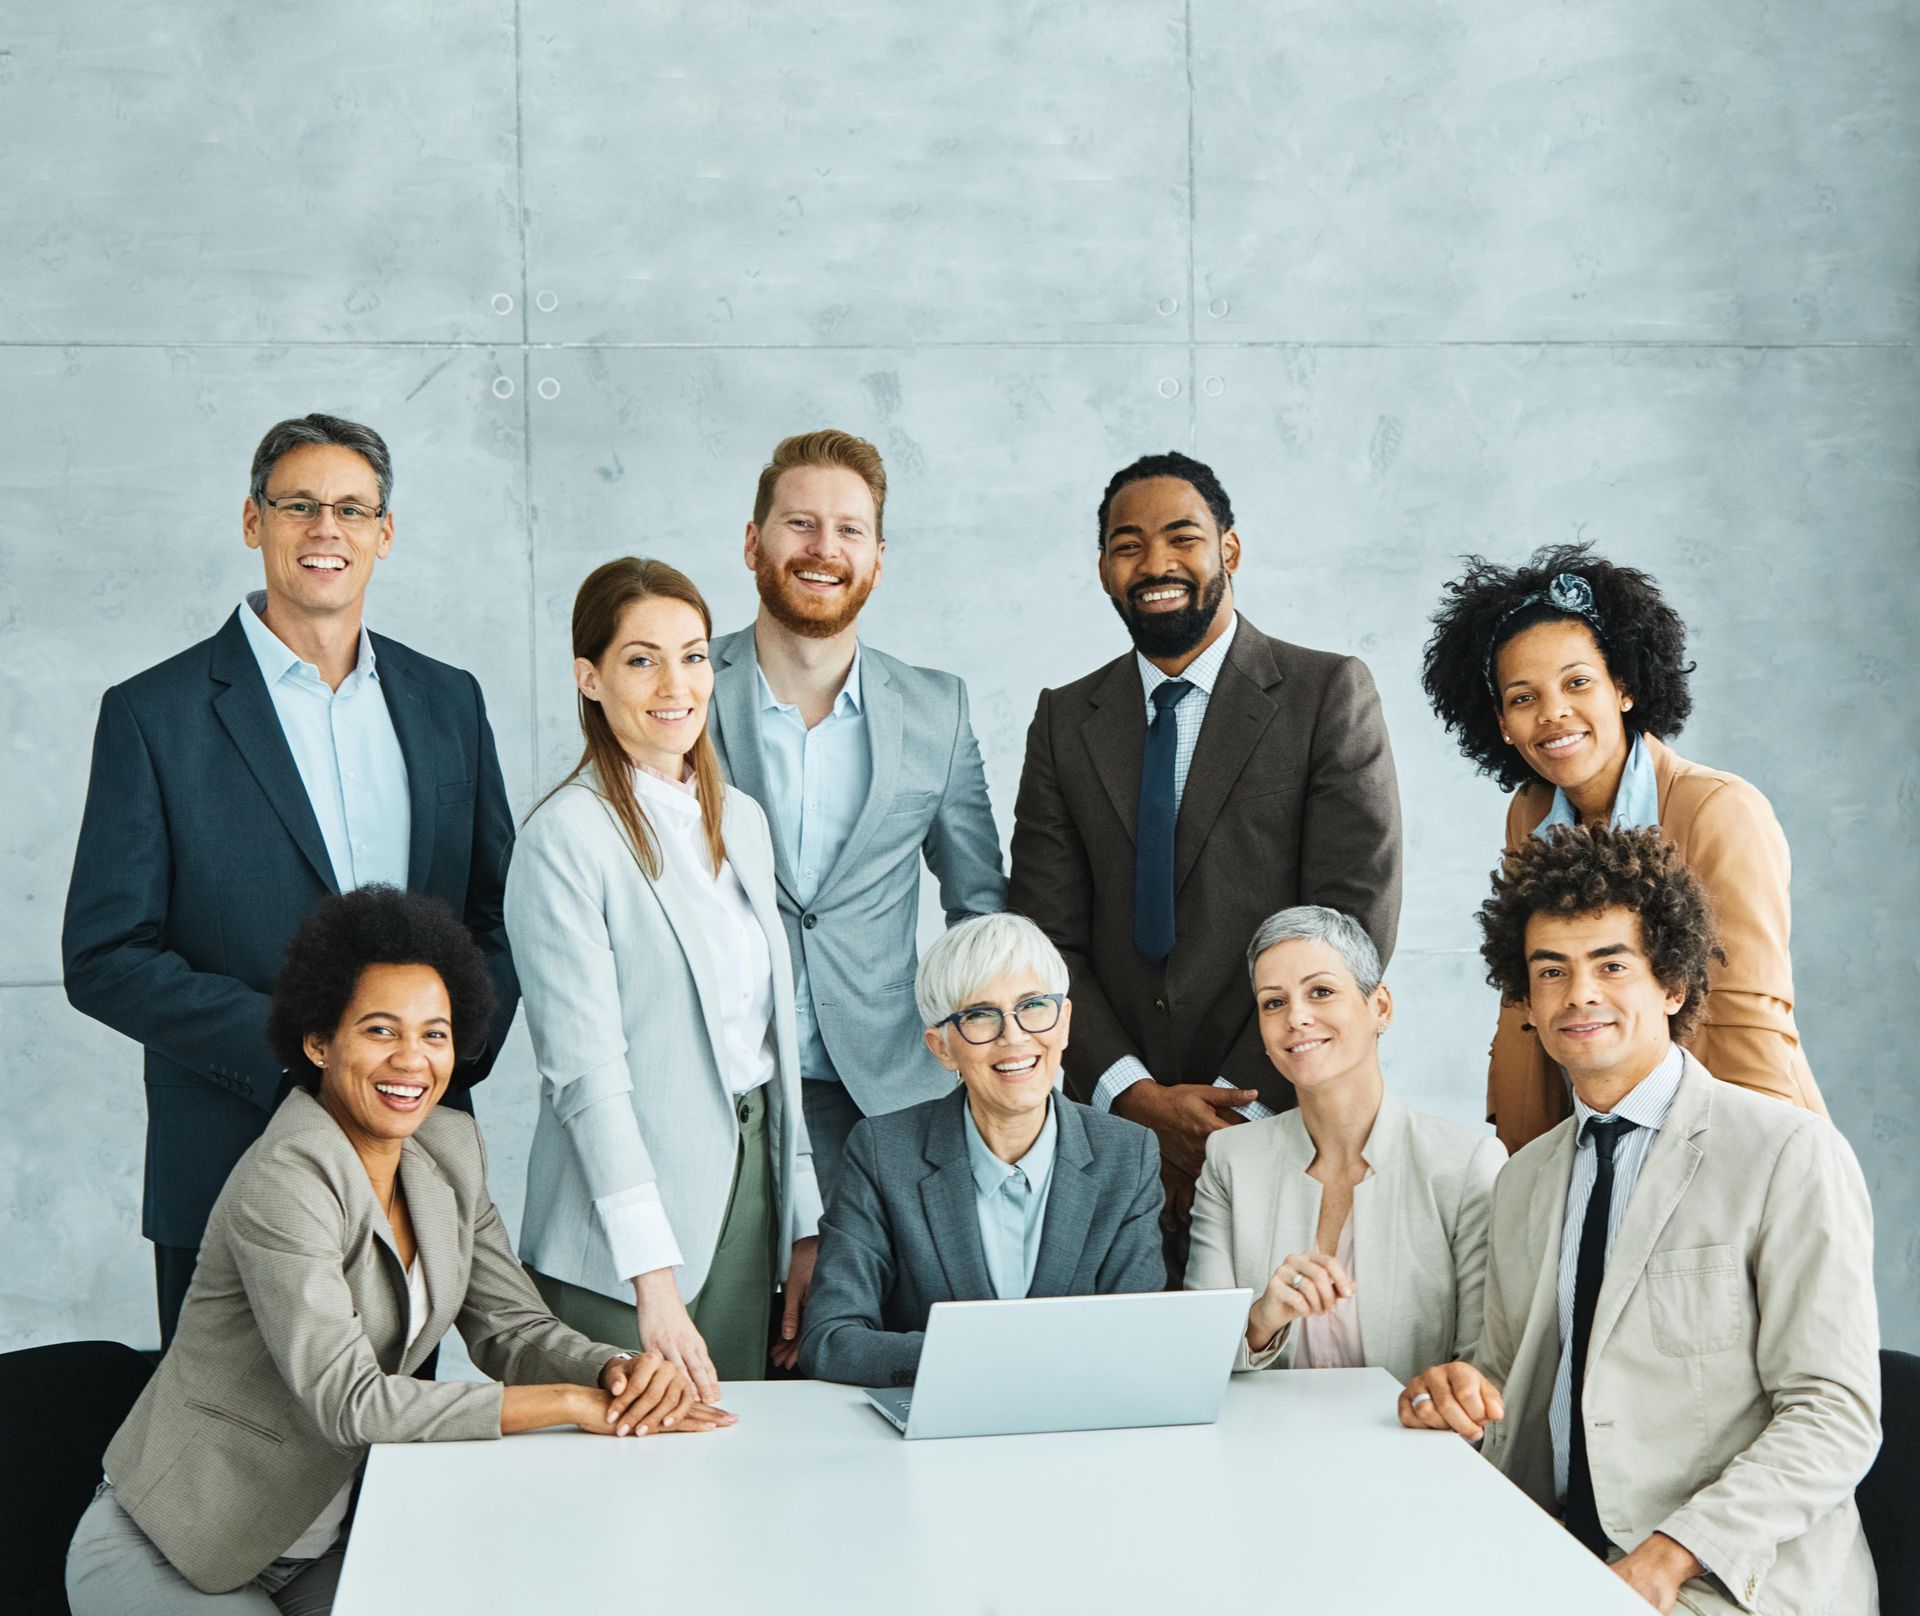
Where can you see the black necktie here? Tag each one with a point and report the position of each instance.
(1153, 830)
(1583, 1515)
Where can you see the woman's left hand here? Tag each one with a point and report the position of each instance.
(645, 1393)
(786, 1351)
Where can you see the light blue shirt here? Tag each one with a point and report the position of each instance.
(345, 748)
(818, 779)
(1636, 805)
(1010, 1202)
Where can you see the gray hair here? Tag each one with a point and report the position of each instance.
(966, 958)
(1309, 922)
(286, 436)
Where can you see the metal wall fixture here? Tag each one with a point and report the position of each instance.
(1168, 305)
(503, 303)
(1218, 308)
(546, 302)
(1213, 386)
(1169, 387)
(547, 387)
(503, 387)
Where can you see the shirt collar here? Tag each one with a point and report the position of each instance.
(990, 1172)
(1646, 1104)
(1636, 805)
(680, 797)
(846, 704)
(277, 659)
(1203, 671)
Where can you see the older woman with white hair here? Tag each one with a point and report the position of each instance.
(1004, 1188)
(1359, 1223)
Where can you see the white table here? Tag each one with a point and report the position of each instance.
(1307, 1497)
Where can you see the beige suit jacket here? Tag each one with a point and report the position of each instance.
(1726, 832)
(1419, 1229)
(1733, 1379)
(290, 1358)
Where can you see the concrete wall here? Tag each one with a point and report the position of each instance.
(1416, 279)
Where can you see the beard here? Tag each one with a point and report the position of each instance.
(788, 603)
(1175, 633)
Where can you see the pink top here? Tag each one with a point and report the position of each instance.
(1332, 1340)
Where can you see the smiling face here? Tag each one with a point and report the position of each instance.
(389, 1061)
(817, 556)
(1165, 564)
(1011, 1077)
(653, 682)
(1592, 996)
(319, 566)
(1560, 707)
(1316, 1024)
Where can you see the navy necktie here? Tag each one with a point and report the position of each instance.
(1583, 1514)
(1153, 829)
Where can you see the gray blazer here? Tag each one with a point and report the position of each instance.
(1419, 1229)
(903, 1233)
(623, 1001)
(928, 799)
(289, 1359)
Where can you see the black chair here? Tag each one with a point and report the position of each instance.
(1889, 1496)
(63, 1403)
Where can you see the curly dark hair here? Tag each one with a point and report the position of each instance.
(1579, 870)
(1642, 638)
(1171, 464)
(372, 925)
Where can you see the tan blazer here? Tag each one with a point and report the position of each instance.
(1727, 834)
(1732, 1397)
(1419, 1229)
(289, 1360)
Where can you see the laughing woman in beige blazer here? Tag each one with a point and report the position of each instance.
(347, 1241)
(1360, 1223)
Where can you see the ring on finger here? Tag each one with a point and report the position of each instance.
(1418, 1399)
(1296, 1282)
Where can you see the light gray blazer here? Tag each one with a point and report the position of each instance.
(1419, 1229)
(622, 999)
(290, 1358)
(1732, 1397)
(928, 798)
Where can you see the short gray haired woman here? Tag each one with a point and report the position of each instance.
(1360, 1223)
(1004, 1188)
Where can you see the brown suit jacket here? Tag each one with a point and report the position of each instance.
(1291, 798)
(1726, 832)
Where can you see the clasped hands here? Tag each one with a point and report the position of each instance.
(1305, 1285)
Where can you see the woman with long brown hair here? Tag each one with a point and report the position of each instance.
(670, 1186)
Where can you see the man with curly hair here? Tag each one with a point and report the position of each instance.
(1679, 1355)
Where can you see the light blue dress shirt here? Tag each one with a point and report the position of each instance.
(1010, 1202)
(347, 753)
(819, 779)
(1636, 805)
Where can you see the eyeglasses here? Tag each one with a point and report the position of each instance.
(983, 1023)
(347, 512)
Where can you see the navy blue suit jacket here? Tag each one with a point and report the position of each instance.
(200, 855)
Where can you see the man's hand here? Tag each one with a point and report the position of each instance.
(1453, 1397)
(1183, 1115)
(1656, 1569)
(786, 1351)
(667, 1328)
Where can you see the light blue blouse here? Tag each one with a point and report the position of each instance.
(1010, 1201)
(1636, 805)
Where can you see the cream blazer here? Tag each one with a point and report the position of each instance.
(1732, 1396)
(1419, 1229)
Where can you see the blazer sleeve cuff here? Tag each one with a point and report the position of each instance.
(1718, 1559)
(1273, 1355)
(804, 1208)
(638, 1233)
(1117, 1079)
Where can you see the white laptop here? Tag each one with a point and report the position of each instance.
(1071, 1363)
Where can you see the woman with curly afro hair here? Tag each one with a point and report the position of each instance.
(1565, 679)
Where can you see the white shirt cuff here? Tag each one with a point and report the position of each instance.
(1117, 1079)
(1254, 1110)
(638, 1233)
(804, 1207)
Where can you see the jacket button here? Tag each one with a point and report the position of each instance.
(1159, 1004)
(810, 921)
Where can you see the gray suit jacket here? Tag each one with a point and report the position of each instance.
(290, 1358)
(903, 1233)
(1733, 1380)
(928, 799)
(1291, 798)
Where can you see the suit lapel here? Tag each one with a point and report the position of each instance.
(246, 710)
(735, 718)
(1238, 713)
(413, 727)
(885, 710)
(436, 1236)
(946, 1197)
(679, 905)
(1071, 1199)
(1116, 736)
(1376, 1253)
(1536, 1349)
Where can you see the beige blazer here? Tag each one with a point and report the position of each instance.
(1419, 1229)
(1732, 1397)
(289, 1360)
(1726, 832)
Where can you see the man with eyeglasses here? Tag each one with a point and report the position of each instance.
(292, 755)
